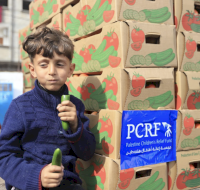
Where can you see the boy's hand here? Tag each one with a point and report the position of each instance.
(51, 176)
(68, 113)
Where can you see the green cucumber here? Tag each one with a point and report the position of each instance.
(72, 26)
(100, 136)
(157, 13)
(101, 19)
(142, 16)
(91, 180)
(126, 15)
(142, 60)
(164, 54)
(99, 90)
(96, 128)
(154, 185)
(198, 138)
(166, 61)
(103, 97)
(74, 91)
(74, 20)
(100, 11)
(160, 19)
(161, 186)
(89, 26)
(137, 59)
(87, 172)
(104, 55)
(100, 49)
(146, 104)
(195, 143)
(161, 98)
(148, 60)
(93, 10)
(147, 13)
(81, 31)
(195, 27)
(164, 103)
(193, 182)
(65, 125)
(153, 56)
(193, 67)
(57, 157)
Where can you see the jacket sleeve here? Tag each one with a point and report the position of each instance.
(15, 170)
(82, 141)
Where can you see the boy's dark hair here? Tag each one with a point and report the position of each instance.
(48, 41)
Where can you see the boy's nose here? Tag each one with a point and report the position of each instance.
(52, 69)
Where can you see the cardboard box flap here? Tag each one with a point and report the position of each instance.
(193, 79)
(151, 44)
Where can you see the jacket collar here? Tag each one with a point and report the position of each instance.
(48, 99)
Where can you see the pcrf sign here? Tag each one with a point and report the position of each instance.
(148, 137)
(145, 130)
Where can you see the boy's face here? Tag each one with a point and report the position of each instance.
(51, 73)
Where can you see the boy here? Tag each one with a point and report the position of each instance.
(32, 127)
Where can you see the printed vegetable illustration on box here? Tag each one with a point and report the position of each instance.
(103, 131)
(41, 14)
(154, 102)
(188, 124)
(188, 179)
(89, 18)
(23, 54)
(23, 35)
(56, 25)
(126, 177)
(101, 98)
(138, 83)
(94, 176)
(25, 67)
(137, 36)
(153, 16)
(158, 59)
(191, 21)
(190, 66)
(91, 59)
(191, 46)
(193, 101)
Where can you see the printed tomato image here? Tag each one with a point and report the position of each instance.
(193, 101)
(111, 84)
(191, 45)
(187, 20)
(114, 61)
(138, 37)
(40, 9)
(126, 174)
(178, 101)
(107, 148)
(130, 2)
(106, 125)
(169, 182)
(55, 8)
(189, 54)
(138, 83)
(187, 131)
(62, 2)
(79, 166)
(111, 40)
(85, 91)
(85, 53)
(102, 2)
(56, 25)
(188, 121)
(82, 14)
(112, 105)
(67, 19)
(99, 170)
(124, 184)
(108, 15)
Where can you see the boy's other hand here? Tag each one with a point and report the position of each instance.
(68, 113)
(51, 176)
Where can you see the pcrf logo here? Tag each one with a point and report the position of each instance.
(148, 129)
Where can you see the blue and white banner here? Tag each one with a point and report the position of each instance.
(148, 137)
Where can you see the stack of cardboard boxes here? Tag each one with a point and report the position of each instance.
(184, 173)
(125, 57)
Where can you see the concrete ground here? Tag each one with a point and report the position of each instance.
(2, 184)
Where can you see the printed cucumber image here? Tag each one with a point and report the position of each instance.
(192, 143)
(94, 176)
(188, 178)
(158, 59)
(153, 183)
(95, 99)
(103, 132)
(154, 102)
(87, 19)
(153, 16)
(189, 66)
(41, 14)
(91, 59)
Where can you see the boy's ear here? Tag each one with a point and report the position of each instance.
(32, 70)
(72, 67)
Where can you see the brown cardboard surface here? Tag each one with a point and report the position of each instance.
(188, 52)
(188, 11)
(27, 89)
(23, 54)
(98, 13)
(184, 158)
(188, 89)
(25, 65)
(106, 174)
(177, 12)
(23, 33)
(118, 45)
(171, 167)
(41, 11)
(148, 11)
(56, 22)
(124, 89)
(188, 137)
(106, 127)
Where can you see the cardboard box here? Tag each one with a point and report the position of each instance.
(23, 54)
(64, 3)
(106, 127)
(25, 65)
(56, 22)
(29, 80)
(160, 12)
(125, 89)
(188, 52)
(189, 20)
(41, 11)
(172, 171)
(177, 13)
(120, 45)
(188, 90)
(27, 89)
(188, 135)
(23, 33)
(104, 173)
(187, 176)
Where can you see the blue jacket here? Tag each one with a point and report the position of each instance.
(32, 130)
